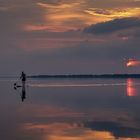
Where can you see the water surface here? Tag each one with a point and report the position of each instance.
(70, 109)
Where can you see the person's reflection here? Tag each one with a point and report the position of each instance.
(131, 89)
(23, 90)
(23, 95)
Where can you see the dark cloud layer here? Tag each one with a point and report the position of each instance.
(113, 26)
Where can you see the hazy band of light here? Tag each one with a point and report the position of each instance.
(78, 85)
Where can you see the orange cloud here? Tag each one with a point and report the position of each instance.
(64, 16)
(67, 16)
(45, 28)
(57, 6)
(35, 27)
(115, 13)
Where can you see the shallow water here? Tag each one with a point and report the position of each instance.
(70, 109)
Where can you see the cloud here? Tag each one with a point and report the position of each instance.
(113, 26)
(61, 15)
(113, 13)
(57, 6)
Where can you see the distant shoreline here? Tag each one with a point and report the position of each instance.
(85, 76)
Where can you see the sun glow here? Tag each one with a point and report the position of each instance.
(132, 63)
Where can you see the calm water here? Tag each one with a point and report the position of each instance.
(70, 110)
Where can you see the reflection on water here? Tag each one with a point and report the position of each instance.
(130, 86)
(23, 95)
(23, 90)
(131, 89)
(71, 112)
(65, 131)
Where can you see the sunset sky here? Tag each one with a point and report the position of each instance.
(69, 36)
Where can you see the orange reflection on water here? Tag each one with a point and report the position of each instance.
(67, 131)
(131, 90)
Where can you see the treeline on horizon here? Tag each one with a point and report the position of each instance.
(87, 76)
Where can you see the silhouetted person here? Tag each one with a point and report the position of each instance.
(23, 78)
(23, 86)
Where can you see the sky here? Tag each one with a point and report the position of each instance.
(69, 36)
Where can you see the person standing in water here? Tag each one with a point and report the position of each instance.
(23, 78)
